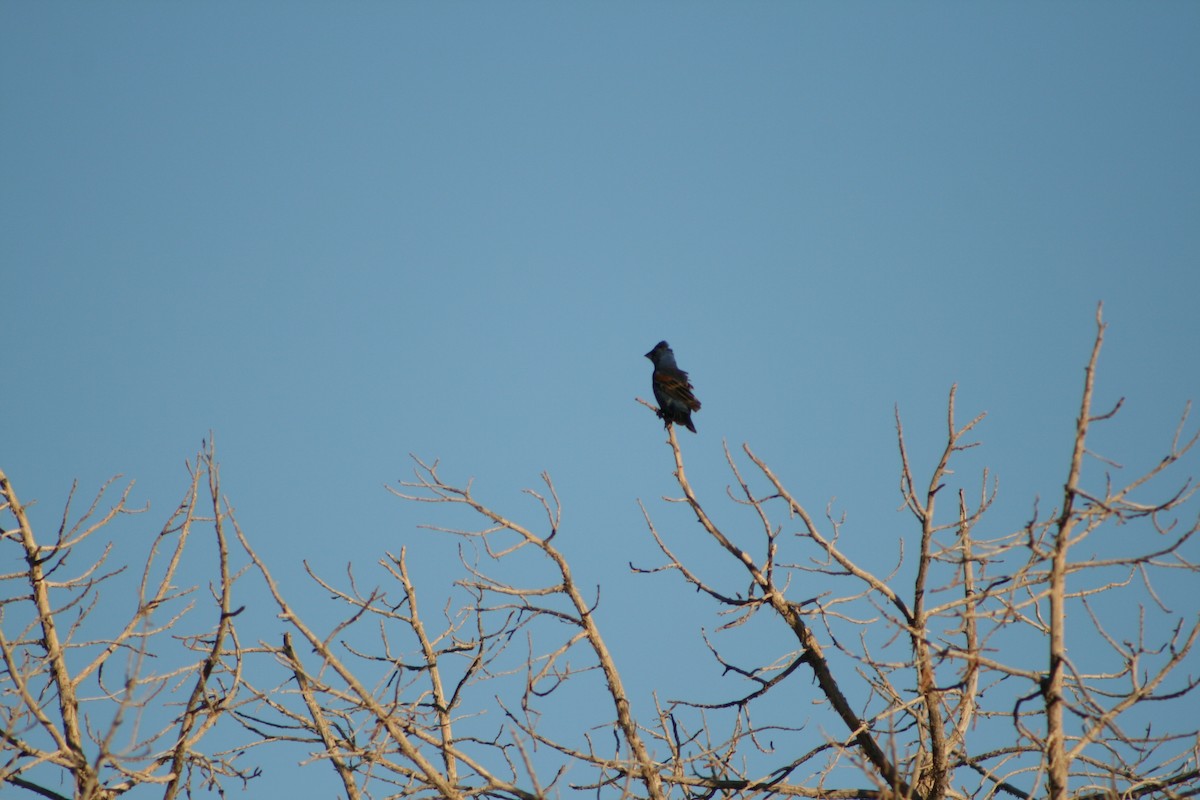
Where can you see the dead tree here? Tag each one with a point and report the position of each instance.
(109, 680)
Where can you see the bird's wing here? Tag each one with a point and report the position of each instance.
(675, 383)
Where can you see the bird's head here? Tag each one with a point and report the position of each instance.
(657, 352)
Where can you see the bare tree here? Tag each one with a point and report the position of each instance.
(1037, 660)
(397, 720)
(106, 684)
(962, 686)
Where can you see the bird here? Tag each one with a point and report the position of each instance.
(672, 389)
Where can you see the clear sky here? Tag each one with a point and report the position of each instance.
(335, 234)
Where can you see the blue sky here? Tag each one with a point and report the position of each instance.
(334, 235)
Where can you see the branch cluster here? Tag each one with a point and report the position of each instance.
(111, 680)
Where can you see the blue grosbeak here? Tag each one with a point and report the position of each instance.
(672, 389)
